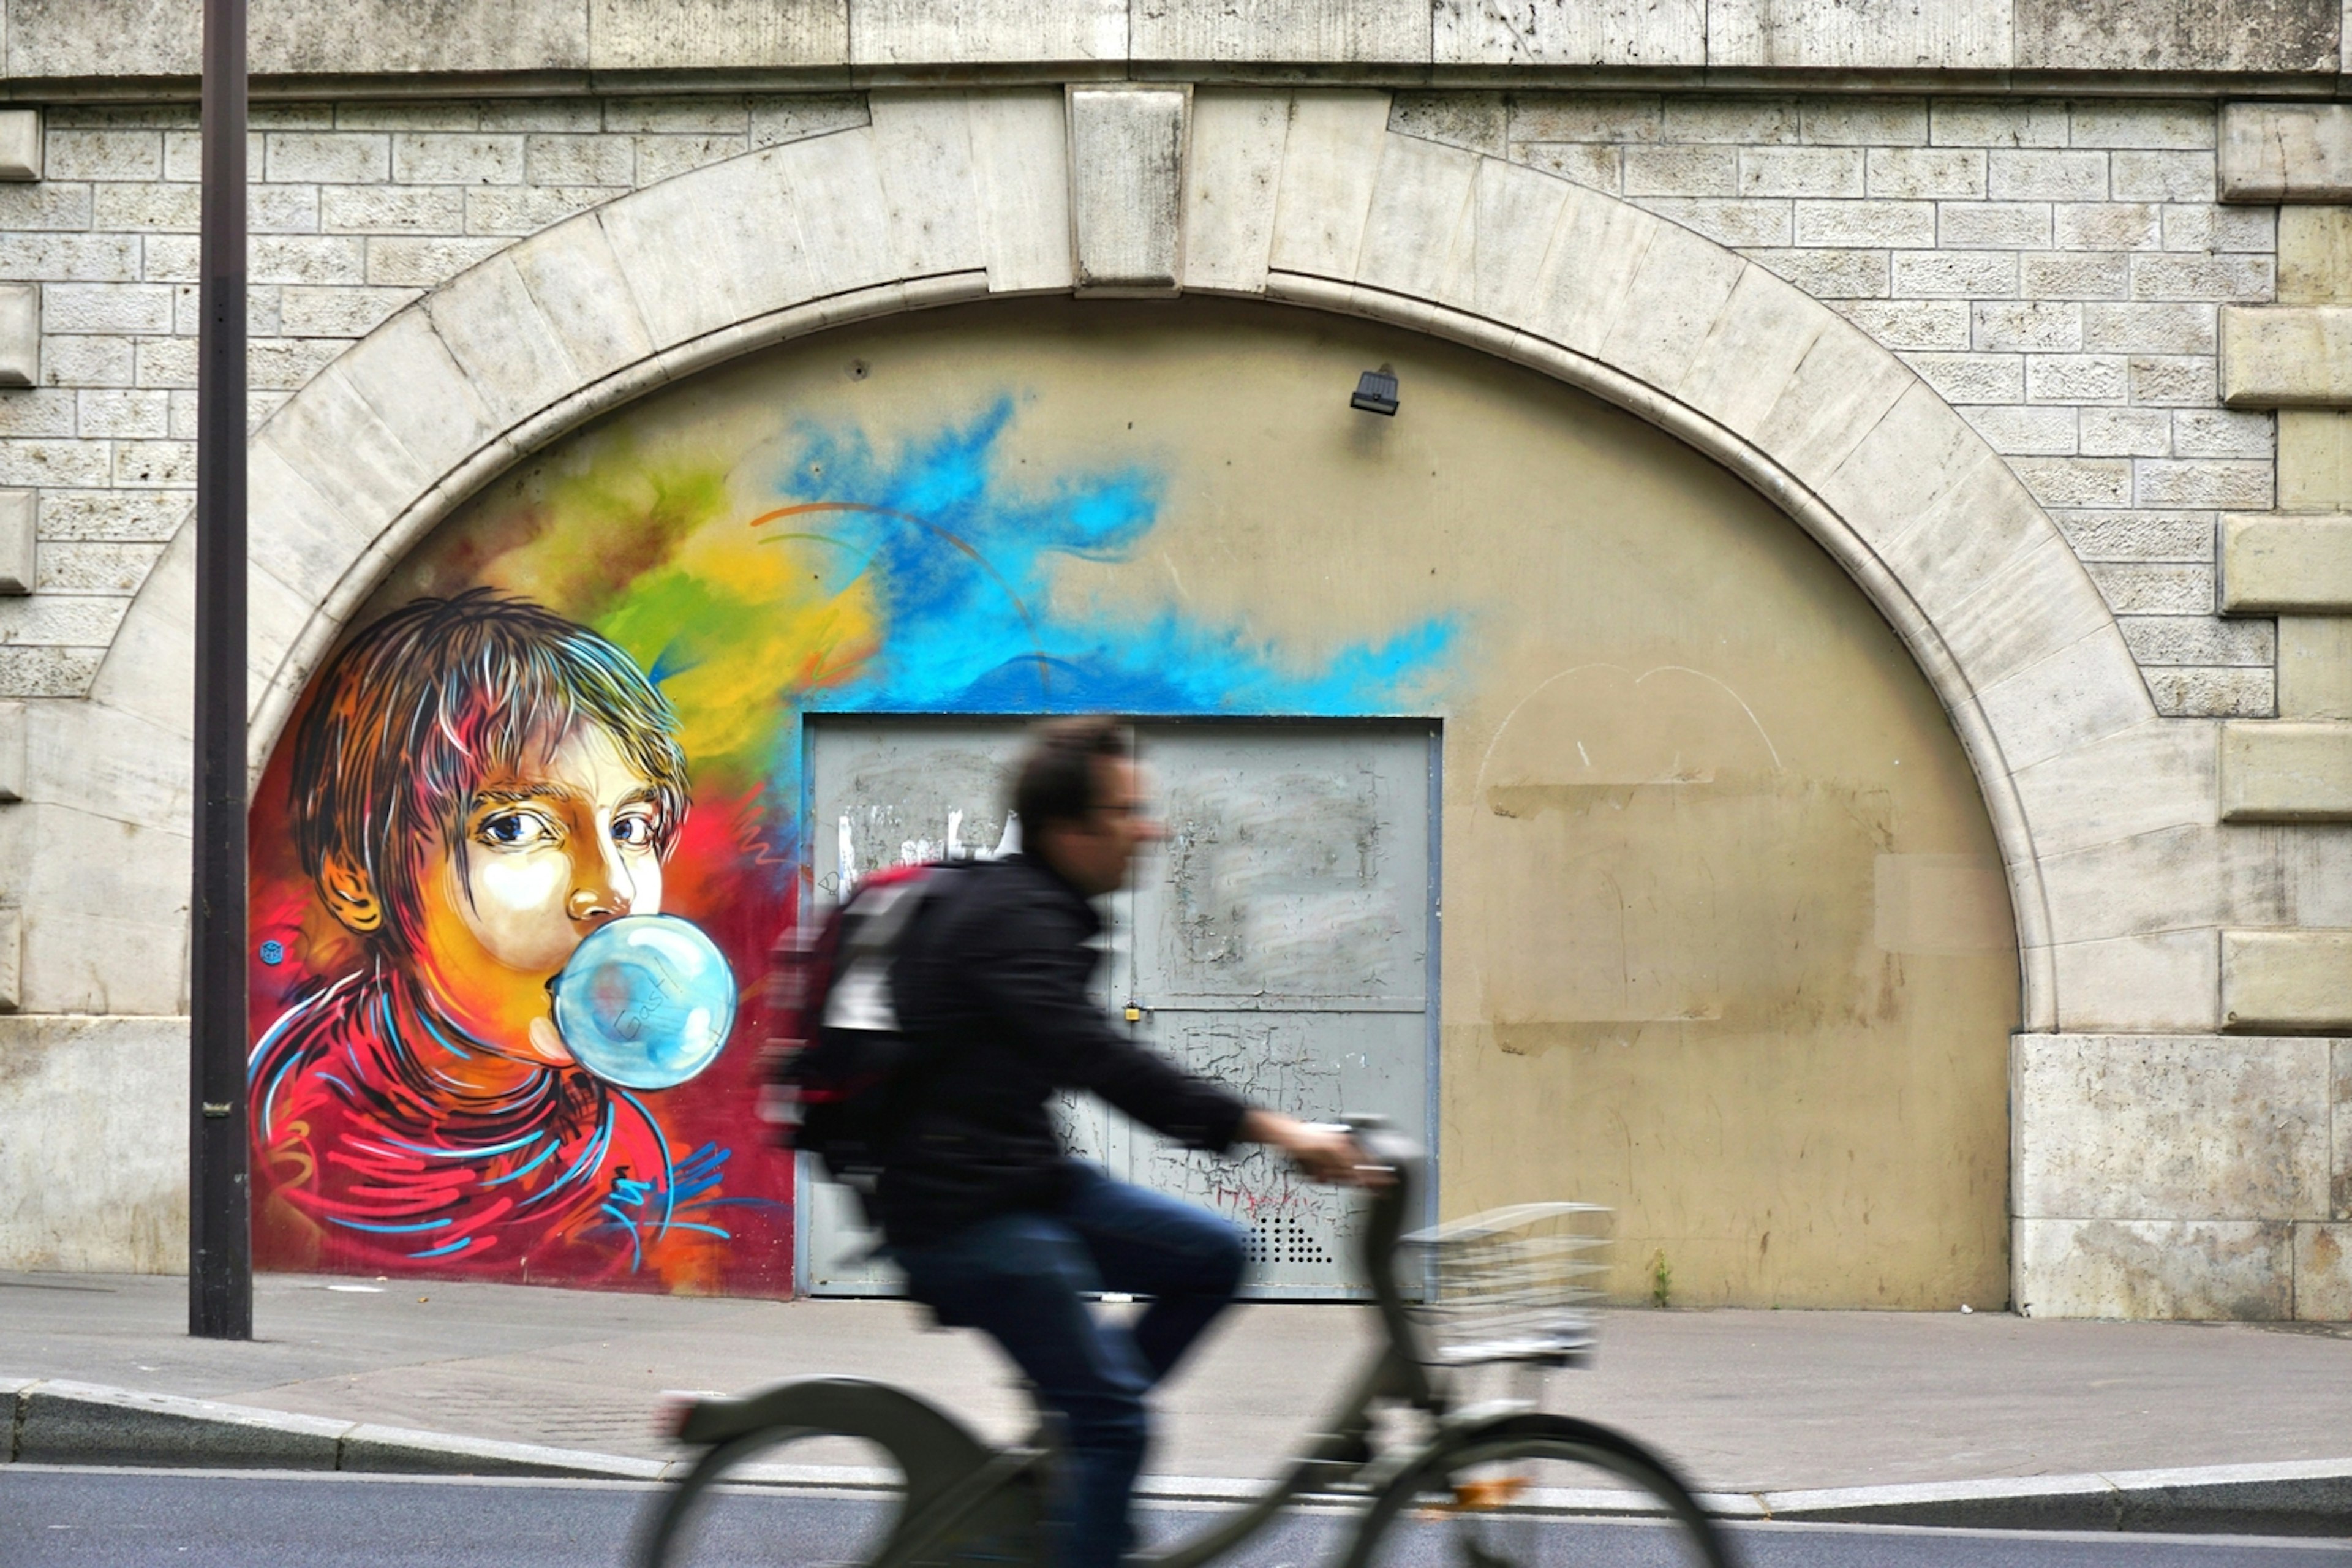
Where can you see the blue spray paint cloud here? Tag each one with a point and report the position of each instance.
(961, 559)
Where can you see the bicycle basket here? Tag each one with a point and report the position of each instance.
(1508, 1285)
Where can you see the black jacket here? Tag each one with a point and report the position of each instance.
(991, 983)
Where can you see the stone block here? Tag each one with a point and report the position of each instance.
(2220, 433)
(2150, 777)
(2283, 36)
(20, 144)
(1740, 120)
(20, 335)
(2314, 460)
(18, 549)
(2315, 256)
(2086, 690)
(2028, 432)
(2286, 562)
(2213, 693)
(1331, 158)
(2181, 381)
(2172, 276)
(2170, 1127)
(2315, 667)
(1669, 306)
(94, 1173)
(2120, 123)
(1892, 486)
(1926, 172)
(1019, 148)
(2145, 175)
(577, 283)
(1948, 35)
(12, 960)
(1801, 172)
(2166, 328)
(1997, 122)
(1964, 275)
(2020, 174)
(2127, 433)
(1425, 189)
(2155, 588)
(1568, 33)
(1594, 117)
(1739, 223)
(2323, 1272)
(2287, 980)
(1681, 170)
(922, 151)
(684, 35)
(1479, 121)
(2286, 356)
(2208, 482)
(886, 33)
(2004, 326)
(2287, 772)
(2107, 225)
(1966, 378)
(422, 396)
(1864, 223)
(1931, 324)
(1302, 32)
(2189, 1269)
(2199, 640)
(12, 743)
(852, 237)
(1127, 187)
(1830, 274)
(1763, 336)
(749, 236)
(2285, 152)
(2202, 225)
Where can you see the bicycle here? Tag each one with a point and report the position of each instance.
(1498, 1290)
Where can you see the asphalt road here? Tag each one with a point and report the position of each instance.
(59, 1518)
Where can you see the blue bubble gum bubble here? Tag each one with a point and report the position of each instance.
(646, 1001)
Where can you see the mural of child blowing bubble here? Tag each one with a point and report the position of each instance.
(484, 794)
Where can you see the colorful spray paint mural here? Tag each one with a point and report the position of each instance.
(535, 825)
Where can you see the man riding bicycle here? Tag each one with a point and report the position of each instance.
(996, 1227)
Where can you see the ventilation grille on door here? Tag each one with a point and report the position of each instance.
(1280, 1238)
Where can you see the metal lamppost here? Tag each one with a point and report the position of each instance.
(220, 1234)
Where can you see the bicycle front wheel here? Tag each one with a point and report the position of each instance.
(1535, 1491)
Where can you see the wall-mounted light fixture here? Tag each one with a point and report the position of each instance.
(1376, 392)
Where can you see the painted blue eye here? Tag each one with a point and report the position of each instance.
(646, 1001)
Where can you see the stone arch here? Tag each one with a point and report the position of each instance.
(1307, 198)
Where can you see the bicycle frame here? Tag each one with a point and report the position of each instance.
(1334, 1457)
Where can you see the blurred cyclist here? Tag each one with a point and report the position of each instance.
(995, 1226)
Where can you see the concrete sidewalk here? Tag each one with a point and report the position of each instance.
(1746, 1402)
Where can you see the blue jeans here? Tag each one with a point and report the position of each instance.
(1018, 1277)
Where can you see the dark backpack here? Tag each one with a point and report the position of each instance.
(838, 1067)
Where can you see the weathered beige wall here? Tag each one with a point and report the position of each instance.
(1725, 942)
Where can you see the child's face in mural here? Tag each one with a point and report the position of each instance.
(544, 857)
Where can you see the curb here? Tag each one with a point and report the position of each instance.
(56, 1421)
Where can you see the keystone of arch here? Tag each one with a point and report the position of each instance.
(1306, 197)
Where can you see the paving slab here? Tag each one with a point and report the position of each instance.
(1746, 1402)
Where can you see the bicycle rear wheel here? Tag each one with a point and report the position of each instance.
(743, 1505)
(1535, 1491)
(832, 1472)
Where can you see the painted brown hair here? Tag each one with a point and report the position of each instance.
(420, 708)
